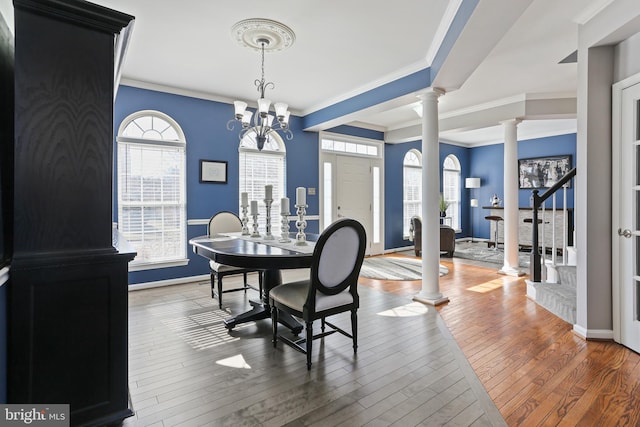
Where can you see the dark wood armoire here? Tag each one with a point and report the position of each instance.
(67, 282)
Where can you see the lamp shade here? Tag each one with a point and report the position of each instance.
(472, 183)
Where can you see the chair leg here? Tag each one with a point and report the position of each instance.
(220, 291)
(309, 328)
(274, 325)
(323, 324)
(213, 284)
(354, 330)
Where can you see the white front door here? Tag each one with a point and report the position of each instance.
(626, 226)
(355, 199)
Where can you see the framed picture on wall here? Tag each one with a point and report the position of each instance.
(213, 171)
(543, 172)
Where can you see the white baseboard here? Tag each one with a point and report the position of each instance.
(169, 282)
(593, 334)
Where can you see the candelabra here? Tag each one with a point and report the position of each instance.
(245, 220)
(284, 227)
(301, 224)
(255, 225)
(268, 235)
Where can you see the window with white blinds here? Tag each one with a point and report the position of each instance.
(151, 188)
(411, 189)
(451, 188)
(260, 168)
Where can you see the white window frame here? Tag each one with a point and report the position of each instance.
(451, 189)
(274, 148)
(411, 205)
(154, 138)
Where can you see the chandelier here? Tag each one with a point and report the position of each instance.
(262, 34)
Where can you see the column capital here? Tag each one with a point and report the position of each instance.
(430, 93)
(515, 121)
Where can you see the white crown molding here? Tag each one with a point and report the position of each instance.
(445, 23)
(125, 81)
(403, 72)
(591, 11)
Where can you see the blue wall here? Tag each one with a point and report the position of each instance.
(204, 125)
(487, 163)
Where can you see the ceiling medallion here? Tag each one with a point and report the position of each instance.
(251, 32)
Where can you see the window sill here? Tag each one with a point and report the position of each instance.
(154, 265)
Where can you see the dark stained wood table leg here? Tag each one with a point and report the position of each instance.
(262, 310)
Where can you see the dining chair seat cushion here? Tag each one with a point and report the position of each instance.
(223, 268)
(294, 295)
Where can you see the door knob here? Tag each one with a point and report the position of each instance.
(625, 233)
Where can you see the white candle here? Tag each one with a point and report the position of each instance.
(254, 207)
(268, 192)
(301, 196)
(244, 199)
(284, 206)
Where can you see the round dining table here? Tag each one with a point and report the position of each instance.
(257, 253)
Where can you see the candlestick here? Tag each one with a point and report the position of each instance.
(268, 236)
(284, 228)
(301, 196)
(284, 220)
(255, 225)
(301, 224)
(245, 220)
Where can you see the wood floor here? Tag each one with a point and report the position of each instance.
(520, 360)
(536, 370)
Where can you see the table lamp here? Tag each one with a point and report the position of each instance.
(472, 183)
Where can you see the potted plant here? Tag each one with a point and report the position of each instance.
(443, 206)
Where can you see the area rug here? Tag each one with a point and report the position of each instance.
(480, 252)
(394, 268)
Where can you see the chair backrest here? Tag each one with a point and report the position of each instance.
(224, 222)
(337, 257)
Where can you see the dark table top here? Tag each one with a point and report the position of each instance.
(254, 253)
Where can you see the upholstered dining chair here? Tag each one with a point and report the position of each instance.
(227, 222)
(330, 289)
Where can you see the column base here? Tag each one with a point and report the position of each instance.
(510, 271)
(431, 299)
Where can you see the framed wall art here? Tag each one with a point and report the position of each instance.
(542, 172)
(213, 171)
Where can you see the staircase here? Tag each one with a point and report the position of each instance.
(559, 298)
(552, 282)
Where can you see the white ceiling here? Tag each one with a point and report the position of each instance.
(509, 48)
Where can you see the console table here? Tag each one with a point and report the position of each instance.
(525, 228)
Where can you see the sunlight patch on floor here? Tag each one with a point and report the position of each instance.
(236, 361)
(407, 310)
(488, 286)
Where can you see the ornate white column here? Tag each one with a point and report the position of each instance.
(511, 261)
(430, 293)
